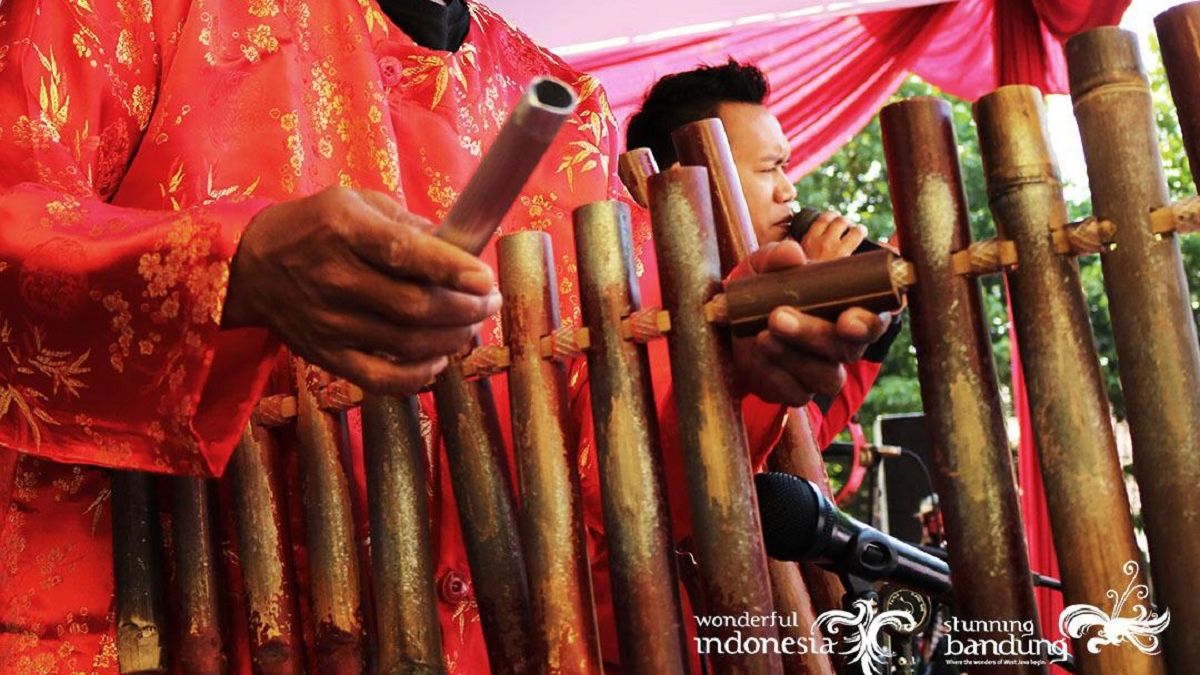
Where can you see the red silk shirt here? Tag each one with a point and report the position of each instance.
(137, 140)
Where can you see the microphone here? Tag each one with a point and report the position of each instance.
(800, 524)
(803, 219)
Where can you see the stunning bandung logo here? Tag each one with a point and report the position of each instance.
(864, 632)
(1140, 630)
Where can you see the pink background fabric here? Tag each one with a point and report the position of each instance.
(830, 74)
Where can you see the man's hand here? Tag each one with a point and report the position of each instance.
(355, 284)
(831, 236)
(799, 355)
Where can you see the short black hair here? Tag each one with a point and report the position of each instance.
(683, 98)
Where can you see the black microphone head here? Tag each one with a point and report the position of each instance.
(801, 221)
(790, 512)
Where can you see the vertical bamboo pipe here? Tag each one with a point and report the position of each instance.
(402, 566)
(634, 168)
(201, 651)
(266, 555)
(137, 571)
(1085, 488)
(332, 554)
(1179, 37)
(641, 555)
(705, 143)
(727, 530)
(487, 511)
(551, 506)
(958, 378)
(1148, 297)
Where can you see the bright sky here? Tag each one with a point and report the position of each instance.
(1138, 18)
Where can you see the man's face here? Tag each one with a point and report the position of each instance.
(761, 153)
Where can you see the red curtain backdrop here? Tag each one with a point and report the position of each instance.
(830, 75)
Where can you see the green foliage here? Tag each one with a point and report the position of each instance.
(854, 181)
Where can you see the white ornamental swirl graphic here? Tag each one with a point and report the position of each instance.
(1141, 630)
(863, 645)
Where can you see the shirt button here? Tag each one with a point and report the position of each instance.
(454, 587)
(389, 70)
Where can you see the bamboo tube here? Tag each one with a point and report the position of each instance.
(402, 564)
(958, 378)
(1179, 37)
(641, 556)
(512, 157)
(1085, 487)
(201, 651)
(634, 168)
(556, 560)
(798, 455)
(336, 608)
(483, 490)
(137, 571)
(265, 554)
(1148, 296)
(748, 302)
(876, 280)
(727, 530)
(704, 143)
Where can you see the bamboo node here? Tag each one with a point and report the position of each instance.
(274, 411)
(645, 324)
(486, 361)
(566, 343)
(338, 395)
(1090, 235)
(717, 310)
(1182, 217)
(984, 257)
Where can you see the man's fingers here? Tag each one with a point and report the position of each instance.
(401, 250)
(821, 223)
(373, 334)
(853, 236)
(862, 326)
(806, 332)
(381, 375)
(771, 257)
(412, 304)
(818, 375)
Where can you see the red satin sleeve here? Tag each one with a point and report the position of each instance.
(111, 351)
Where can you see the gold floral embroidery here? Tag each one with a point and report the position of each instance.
(585, 154)
(542, 210)
(373, 16)
(263, 8)
(127, 49)
(441, 69)
(32, 362)
(261, 41)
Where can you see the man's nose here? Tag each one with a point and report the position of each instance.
(784, 190)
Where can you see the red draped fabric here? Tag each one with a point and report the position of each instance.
(830, 75)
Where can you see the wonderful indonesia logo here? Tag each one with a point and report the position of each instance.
(1128, 623)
